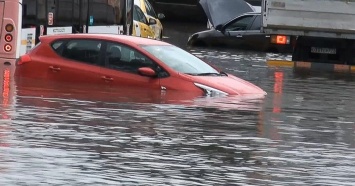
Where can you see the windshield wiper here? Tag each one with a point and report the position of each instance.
(212, 74)
(224, 73)
(208, 74)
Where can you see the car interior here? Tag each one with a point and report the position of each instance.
(125, 60)
(114, 56)
(83, 51)
(117, 57)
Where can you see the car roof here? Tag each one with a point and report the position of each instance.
(111, 37)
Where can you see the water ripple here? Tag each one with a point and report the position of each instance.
(302, 133)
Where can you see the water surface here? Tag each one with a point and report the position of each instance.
(302, 133)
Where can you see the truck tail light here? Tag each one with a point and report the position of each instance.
(280, 39)
(8, 37)
(7, 48)
(9, 28)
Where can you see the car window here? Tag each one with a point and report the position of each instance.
(123, 58)
(135, 15)
(239, 24)
(138, 15)
(56, 45)
(83, 50)
(150, 9)
(256, 24)
(179, 59)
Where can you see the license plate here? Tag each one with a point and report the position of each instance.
(323, 50)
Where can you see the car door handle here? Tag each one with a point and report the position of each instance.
(239, 35)
(107, 78)
(53, 68)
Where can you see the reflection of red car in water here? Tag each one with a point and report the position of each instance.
(7, 88)
(40, 90)
(116, 61)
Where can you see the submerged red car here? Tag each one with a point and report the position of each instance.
(119, 61)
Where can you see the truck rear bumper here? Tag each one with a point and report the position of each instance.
(312, 66)
(324, 50)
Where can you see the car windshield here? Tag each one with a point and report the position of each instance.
(180, 60)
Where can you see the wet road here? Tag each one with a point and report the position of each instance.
(303, 133)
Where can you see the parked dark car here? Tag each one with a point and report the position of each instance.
(242, 32)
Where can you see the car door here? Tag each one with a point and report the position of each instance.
(136, 28)
(136, 24)
(121, 68)
(234, 31)
(142, 23)
(78, 61)
(253, 38)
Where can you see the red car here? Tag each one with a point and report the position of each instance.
(119, 60)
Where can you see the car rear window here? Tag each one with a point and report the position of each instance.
(82, 50)
(56, 45)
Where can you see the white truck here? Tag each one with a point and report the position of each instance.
(325, 29)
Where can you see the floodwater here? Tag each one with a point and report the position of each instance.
(302, 133)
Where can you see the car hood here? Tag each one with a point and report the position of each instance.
(207, 33)
(222, 11)
(229, 84)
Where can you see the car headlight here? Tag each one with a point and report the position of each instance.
(211, 91)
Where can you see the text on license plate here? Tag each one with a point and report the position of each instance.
(323, 50)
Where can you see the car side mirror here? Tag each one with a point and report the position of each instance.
(152, 21)
(147, 71)
(161, 16)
